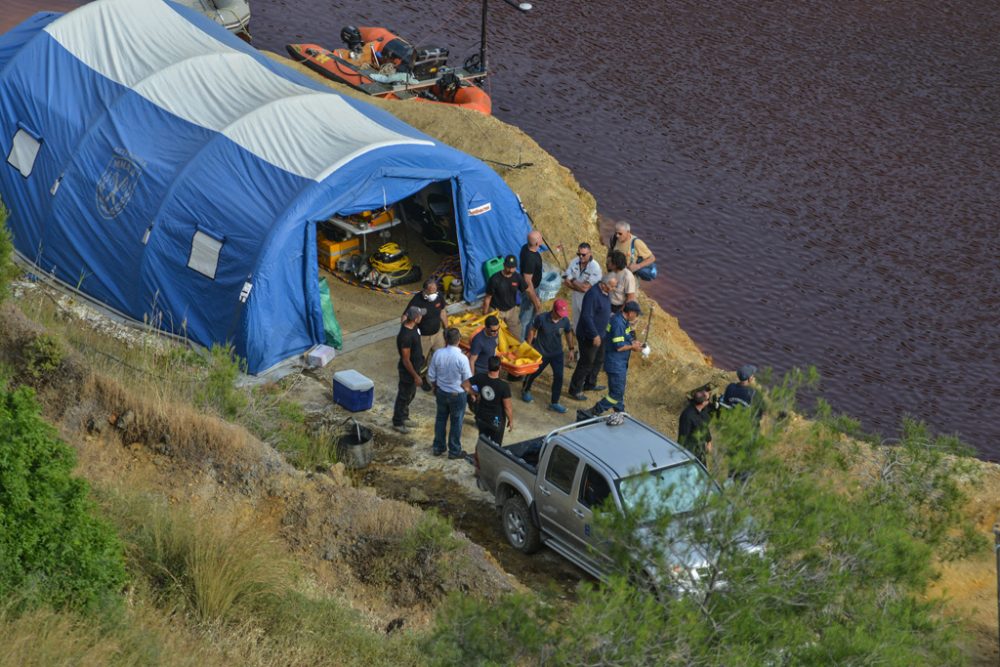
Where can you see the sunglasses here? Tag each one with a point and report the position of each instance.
(493, 332)
(583, 254)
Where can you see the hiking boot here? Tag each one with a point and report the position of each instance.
(556, 407)
(527, 397)
(400, 428)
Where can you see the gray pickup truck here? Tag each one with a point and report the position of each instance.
(547, 489)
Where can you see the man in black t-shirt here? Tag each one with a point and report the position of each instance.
(433, 324)
(411, 360)
(531, 269)
(493, 407)
(501, 293)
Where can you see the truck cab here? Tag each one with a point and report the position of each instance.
(548, 488)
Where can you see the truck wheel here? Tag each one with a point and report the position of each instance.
(517, 525)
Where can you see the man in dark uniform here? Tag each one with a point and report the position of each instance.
(619, 342)
(693, 432)
(483, 345)
(742, 392)
(595, 313)
(411, 360)
(546, 336)
(501, 293)
(493, 405)
(433, 324)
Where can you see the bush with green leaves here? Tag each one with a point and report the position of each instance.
(53, 549)
(8, 270)
(218, 389)
(819, 551)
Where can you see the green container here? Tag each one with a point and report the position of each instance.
(491, 266)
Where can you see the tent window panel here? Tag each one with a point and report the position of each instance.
(23, 151)
(204, 257)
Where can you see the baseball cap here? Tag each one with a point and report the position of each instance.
(561, 307)
(746, 372)
(509, 261)
(413, 312)
(632, 307)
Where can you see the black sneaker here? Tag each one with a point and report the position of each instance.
(596, 387)
(578, 397)
(457, 456)
(436, 453)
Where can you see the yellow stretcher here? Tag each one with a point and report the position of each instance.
(517, 358)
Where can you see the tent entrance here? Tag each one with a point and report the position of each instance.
(393, 249)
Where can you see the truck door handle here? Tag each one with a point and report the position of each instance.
(578, 512)
(544, 491)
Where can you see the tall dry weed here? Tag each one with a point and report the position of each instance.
(213, 566)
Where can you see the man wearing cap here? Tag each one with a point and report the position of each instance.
(501, 293)
(545, 336)
(411, 360)
(742, 392)
(484, 345)
(449, 375)
(433, 324)
(619, 342)
(595, 313)
(531, 269)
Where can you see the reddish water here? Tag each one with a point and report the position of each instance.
(820, 181)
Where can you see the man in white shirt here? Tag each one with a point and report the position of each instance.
(449, 375)
(583, 273)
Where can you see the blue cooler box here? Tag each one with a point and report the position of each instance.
(353, 391)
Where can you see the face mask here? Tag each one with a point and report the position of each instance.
(431, 297)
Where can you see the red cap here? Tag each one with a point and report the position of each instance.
(561, 307)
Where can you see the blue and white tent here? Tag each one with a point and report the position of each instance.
(174, 174)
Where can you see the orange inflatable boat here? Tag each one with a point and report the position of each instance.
(382, 64)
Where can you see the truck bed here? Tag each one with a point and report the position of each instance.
(519, 459)
(526, 452)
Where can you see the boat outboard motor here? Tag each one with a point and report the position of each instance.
(351, 37)
(399, 53)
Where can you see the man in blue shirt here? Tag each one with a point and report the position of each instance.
(449, 375)
(619, 343)
(595, 312)
(546, 334)
(484, 345)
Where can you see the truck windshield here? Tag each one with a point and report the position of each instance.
(675, 490)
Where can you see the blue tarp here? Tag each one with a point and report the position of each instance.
(170, 171)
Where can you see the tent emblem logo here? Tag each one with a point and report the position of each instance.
(117, 184)
(479, 210)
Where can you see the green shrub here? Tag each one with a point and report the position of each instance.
(219, 389)
(8, 270)
(42, 355)
(52, 548)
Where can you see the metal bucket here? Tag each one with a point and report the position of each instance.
(354, 449)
